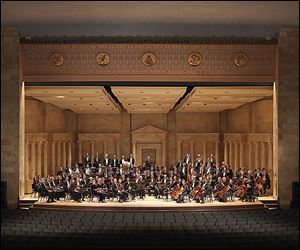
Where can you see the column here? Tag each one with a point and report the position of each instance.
(225, 153)
(33, 161)
(179, 149)
(241, 155)
(204, 151)
(39, 159)
(58, 158)
(79, 152)
(27, 165)
(45, 165)
(53, 162)
(134, 150)
(192, 150)
(270, 161)
(92, 151)
(164, 152)
(217, 152)
(236, 156)
(64, 155)
(263, 155)
(250, 155)
(105, 147)
(231, 154)
(256, 156)
(118, 149)
(69, 154)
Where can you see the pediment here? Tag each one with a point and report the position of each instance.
(148, 129)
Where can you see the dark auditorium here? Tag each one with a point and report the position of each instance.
(149, 124)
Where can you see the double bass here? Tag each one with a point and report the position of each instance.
(197, 191)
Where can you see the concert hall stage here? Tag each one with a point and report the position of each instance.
(148, 204)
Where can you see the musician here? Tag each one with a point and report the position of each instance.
(229, 191)
(131, 160)
(249, 190)
(148, 163)
(106, 160)
(97, 160)
(207, 190)
(86, 159)
(267, 183)
(115, 163)
(183, 192)
(60, 171)
(77, 170)
(187, 159)
(212, 159)
(198, 163)
(141, 187)
(74, 191)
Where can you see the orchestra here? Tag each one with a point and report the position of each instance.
(185, 181)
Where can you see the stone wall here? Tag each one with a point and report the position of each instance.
(288, 113)
(10, 106)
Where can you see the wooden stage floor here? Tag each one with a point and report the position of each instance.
(150, 203)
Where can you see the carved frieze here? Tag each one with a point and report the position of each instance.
(125, 59)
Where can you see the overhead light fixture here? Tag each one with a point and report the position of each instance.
(60, 97)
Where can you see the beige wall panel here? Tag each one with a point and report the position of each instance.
(263, 115)
(97, 123)
(205, 122)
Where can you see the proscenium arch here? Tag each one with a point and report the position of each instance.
(260, 71)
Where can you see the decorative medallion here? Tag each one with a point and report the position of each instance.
(56, 59)
(194, 59)
(148, 59)
(102, 59)
(240, 59)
